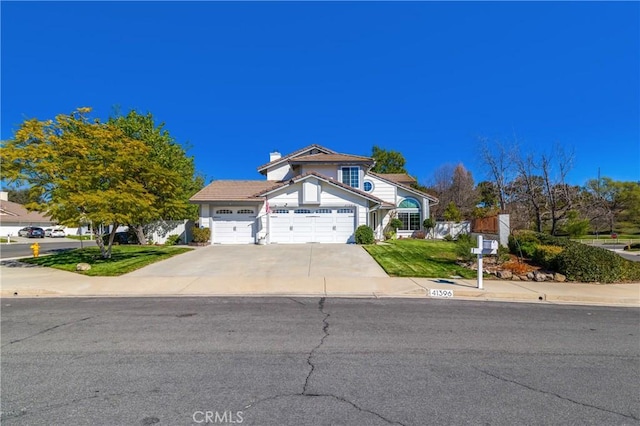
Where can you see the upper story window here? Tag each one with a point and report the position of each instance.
(367, 186)
(351, 176)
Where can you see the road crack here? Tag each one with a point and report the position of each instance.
(46, 330)
(325, 330)
(305, 392)
(564, 398)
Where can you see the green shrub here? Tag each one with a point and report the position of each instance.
(464, 244)
(523, 243)
(579, 262)
(503, 254)
(201, 235)
(364, 235)
(588, 264)
(172, 240)
(395, 224)
(547, 256)
(448, 237)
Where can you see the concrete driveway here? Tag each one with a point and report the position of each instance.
(303, 260)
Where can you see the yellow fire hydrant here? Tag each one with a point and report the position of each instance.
(35, 247)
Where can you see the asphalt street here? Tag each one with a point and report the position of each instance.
(257, 361)
(47, 246)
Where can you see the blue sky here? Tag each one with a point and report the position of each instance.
(237, 80)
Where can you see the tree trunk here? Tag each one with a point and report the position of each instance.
(105, 251)
(100, 242)
(142, 239)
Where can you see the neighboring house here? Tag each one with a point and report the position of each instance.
(14, 217)
(311, 195)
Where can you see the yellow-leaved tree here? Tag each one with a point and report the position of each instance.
(89, 171)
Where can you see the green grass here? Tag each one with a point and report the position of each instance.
(78, 237)
(418, 258)
(124, 259)
(6, 240)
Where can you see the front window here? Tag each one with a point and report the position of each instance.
(410, 221)
(351, 176)
(409, 214)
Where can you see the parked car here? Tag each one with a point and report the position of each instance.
(31, 232)
(47, 232)
(58, 233)
(126, 237)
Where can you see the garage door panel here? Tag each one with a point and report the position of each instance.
(233, 229)
(323, 225)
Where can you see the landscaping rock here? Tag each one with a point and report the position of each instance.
(559, 277)
(539, 276)
(524, 277)
(530, 276)
(83, 267)
(516, 278)
(505, 275)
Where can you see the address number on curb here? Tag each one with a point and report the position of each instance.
(440, 293)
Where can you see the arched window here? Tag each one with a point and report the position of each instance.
(245, 211)
(368, 186)
(409, 213)
(224, 211)
(409, 203)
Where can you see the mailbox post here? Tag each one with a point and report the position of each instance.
(484, 247)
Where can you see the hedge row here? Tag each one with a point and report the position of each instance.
(577, 261)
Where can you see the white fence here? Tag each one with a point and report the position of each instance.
(442, 229)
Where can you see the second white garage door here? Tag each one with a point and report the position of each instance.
(315, 225)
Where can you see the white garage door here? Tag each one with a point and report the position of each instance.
(315, 225)
(233, 226)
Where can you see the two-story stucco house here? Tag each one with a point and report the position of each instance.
(313, 195)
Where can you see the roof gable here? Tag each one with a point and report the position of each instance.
(323, 178)
(307, 150)
(408, 188)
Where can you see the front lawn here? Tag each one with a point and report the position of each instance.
(418, 258)
(124, 259)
